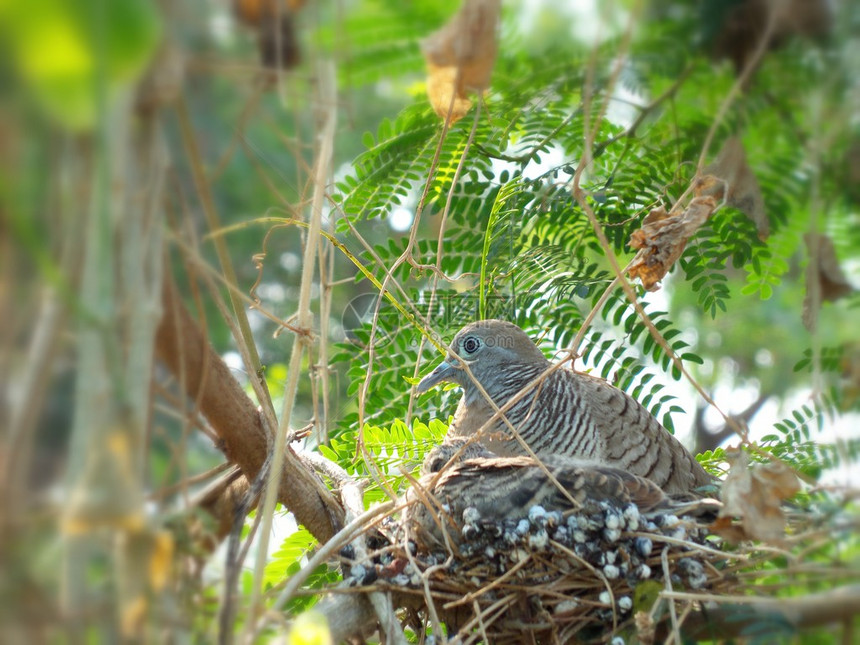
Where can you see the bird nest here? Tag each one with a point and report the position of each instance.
(494, 551)
(548, 577)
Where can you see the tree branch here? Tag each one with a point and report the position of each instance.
(730, 620)
(709, 440)
(184, 350)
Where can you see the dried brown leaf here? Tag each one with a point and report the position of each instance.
(275, 22)
(662, 239)
(442, 91)
(729, 530)
(834, 284)
(460, 57)
(754, 495)
(743, 190)
(823, 274)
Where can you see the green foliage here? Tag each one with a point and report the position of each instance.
(386, 450)
(713, 461)
(288, 559)
(391, 167)
(524, 247)
(829, 360)
(382, 39)
(499, 221)
(796, 441)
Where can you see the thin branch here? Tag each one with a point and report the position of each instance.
(644, 113)
(740, 82)
(167, 491)
(708, 440)
(667, 578)
(304, 322)
(208, 203)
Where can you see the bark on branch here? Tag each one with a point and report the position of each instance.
(710, 440)
(184, 350)
(730, 620)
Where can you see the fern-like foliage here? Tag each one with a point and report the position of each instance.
(389, 450)
(796, 441)
(517, 245)
(288, 559)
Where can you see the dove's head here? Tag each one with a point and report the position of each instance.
(496, 352)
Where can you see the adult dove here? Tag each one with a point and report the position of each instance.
(566, 413)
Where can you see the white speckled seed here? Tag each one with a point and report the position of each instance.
(537, 514)
(471, 515)
(643, 546)
(539, 540)
(566, 605)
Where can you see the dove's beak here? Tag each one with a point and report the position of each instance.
(446, 371)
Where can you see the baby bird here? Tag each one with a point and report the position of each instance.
(462, 476)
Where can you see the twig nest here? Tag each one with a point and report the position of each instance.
(557, 550)
(576, 571)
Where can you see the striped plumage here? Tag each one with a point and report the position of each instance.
(567, 413)
(507, 488)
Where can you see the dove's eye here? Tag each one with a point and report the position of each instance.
(471, 345)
